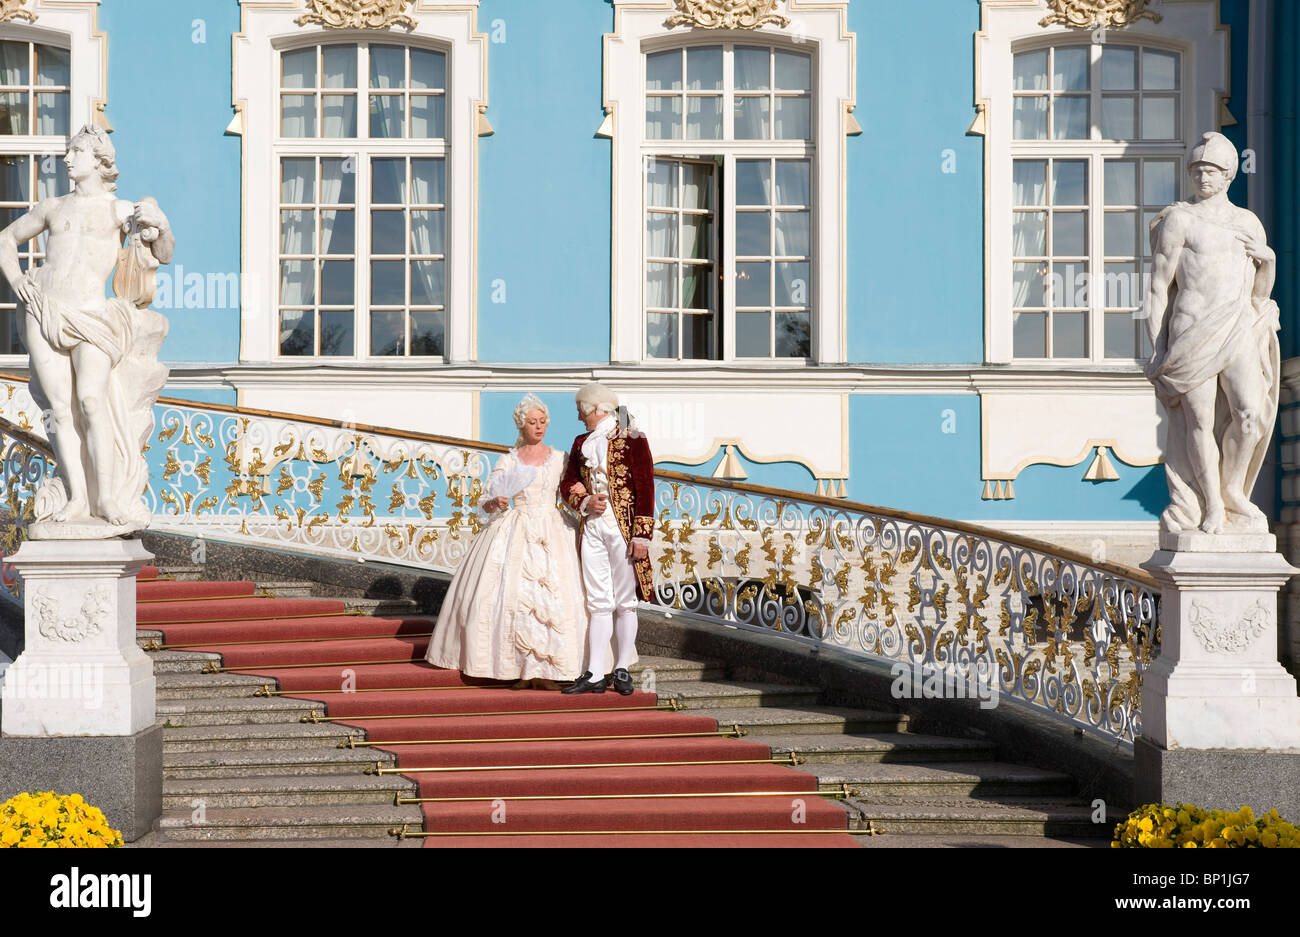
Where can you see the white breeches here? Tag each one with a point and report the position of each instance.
(610, 582)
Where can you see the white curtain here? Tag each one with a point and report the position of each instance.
(428, 233)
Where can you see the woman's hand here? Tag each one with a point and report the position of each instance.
(495, 505)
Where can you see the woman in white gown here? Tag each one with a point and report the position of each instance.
(515, 609)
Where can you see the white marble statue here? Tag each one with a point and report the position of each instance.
(95, 369)
(1216, 364)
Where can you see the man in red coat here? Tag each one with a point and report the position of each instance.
(609, 480)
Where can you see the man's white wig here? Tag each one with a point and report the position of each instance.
(596, 396)
(523, 408)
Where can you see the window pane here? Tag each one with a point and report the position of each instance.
(1070, 182)
(297, 232)
(1071, 120)
(1029, 234)
(387, 66)
(297, 283)
(298, 69)
(663, 118)
(754, 284)
(792, 234)
(429, 176)
(704, 68)
(1121, 182)
(1029, 182)
(696, 281)
(663, 71)
(52, 114)
(753, 67)
(51, 178)
(697, 186)
(661, 335)
(793, 72)
(340, 66)
(427, 334)
(753, 182)
(752, 118)
(704, 118)
(1029, 119)
(1121, 336)
(53, 66)
(1118, 68)
(338, 181)
(428, 283)
(1119, 117)
(1072, 69)
(297, 181)
(697, 237)
(753, 234)
(428, 232)
(661, 234)
(697, 337)
(1159, 182)
(387, 283)
(1159, 70)
(661, 286)
(1159, 118)
(793, 119)
(428, 70)
(428, 116)
(1069, 282)
(1029, 335)
(791, 284)
(1030, 72)
(338, 283)
(340, 118)
(387, 333)
(388, 232)
(1069, 335)
(1123, 286)
(793, 335)
(297, 332)
(792, 182)
(387, 115)
(753, 338)
(388, 187)
(1028, 285)
(661, 183)
(297, 117)
(337, 332)
(1070, 234)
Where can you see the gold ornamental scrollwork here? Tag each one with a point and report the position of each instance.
(727, 14)
(357, 14)
(1089, 14)
(11, 10)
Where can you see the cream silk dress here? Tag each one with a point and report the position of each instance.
(515, 609)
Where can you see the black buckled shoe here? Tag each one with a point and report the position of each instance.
(585, 685)
(622, 681)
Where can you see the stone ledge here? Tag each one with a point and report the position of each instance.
(1219, 779)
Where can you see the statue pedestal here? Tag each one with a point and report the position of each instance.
(81, 672)
(1220, 716)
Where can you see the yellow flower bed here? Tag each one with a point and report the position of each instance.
(34, 821)
(1160, 826)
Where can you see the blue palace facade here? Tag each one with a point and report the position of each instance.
(885, 250)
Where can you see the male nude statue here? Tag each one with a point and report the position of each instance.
(77, 338)
(1216, 363)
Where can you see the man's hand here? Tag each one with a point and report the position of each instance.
(596, 505)
(639, 551)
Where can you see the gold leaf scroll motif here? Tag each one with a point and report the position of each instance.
(1089, 14)
(357, 14)
(727, 14)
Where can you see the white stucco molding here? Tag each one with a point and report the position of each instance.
(268, 27)
(72, 24)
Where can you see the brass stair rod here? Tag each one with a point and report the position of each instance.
(733, 733)
(210, 668)
(346, 637)
(405, 833)
(399, 800)
(267, 691)
(791, 759)
(670, 706)
(259, 594)
(148, 625)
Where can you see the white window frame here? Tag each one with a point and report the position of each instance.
(816, 28)
(1190, 27)
(72, 25)
(270, 28)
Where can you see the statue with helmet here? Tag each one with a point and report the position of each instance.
(1216, 364)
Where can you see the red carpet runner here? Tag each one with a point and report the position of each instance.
(534, 773)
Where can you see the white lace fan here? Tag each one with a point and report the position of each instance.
(512, 481)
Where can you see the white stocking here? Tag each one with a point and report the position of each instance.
(627, 622)
(598, 635)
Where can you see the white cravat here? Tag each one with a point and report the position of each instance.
(595, 451)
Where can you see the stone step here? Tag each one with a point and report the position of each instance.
(965, 815)
(943, 779)
(291, 791)
(157, 841)
(711, 694)
(359, 821)
(972, 841)
(266, 736)
(194, 686)
(213, 712)
(181, 573)
(289, 588)
(281, 763)
(386, 608)
(651, 671)
(856, 749)
(761, 721)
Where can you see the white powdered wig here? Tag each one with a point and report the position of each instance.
(523, 408)
(596, 396)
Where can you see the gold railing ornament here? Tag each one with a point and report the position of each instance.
(357, 14)
(727, 14)
(1089, 14)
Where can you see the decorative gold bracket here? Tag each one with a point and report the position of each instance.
(357, 14)
(1089, 14)
(727, 14)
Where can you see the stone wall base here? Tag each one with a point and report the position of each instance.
(1218, 779)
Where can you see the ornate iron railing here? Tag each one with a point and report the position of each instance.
(996, 616)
